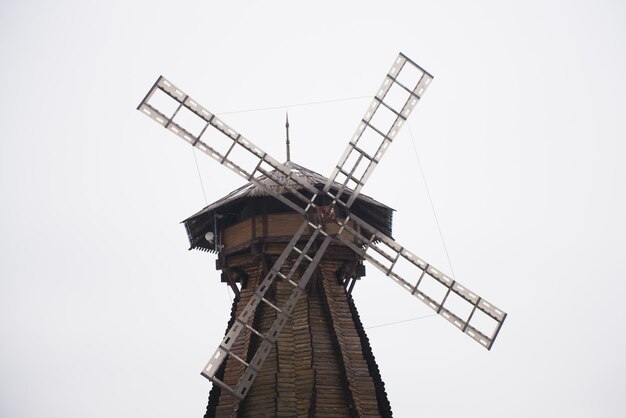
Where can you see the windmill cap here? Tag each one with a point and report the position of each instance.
(375, 213)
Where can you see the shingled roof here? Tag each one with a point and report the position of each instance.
(375, 213)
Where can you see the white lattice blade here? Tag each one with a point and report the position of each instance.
(247, 315)
(186, 118)
(383, 119)
(250, 373)
(215, 362)
(463, 308)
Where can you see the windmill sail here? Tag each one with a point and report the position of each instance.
(402, 88)
(447, 297)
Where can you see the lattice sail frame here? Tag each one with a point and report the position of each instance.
(359, 160)
(363, 153)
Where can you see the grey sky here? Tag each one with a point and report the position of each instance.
(104, 312)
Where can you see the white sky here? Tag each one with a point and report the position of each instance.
(104, 312)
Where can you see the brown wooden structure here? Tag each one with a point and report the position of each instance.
(322, 364)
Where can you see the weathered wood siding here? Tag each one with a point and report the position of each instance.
(321, 365)
(279, 225)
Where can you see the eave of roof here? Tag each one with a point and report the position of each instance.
(252, 190)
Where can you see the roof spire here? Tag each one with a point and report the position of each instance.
(287, 130)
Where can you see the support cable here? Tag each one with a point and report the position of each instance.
(206, 202)
(344, 99)
(421, 170)
(400, 322)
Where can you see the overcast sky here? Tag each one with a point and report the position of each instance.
(104, 312)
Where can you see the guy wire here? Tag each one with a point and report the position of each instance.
(206, 202)
(295, 105)
(419, 164)
(400, 322)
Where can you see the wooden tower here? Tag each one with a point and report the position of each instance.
(291, 243)
(322, 364)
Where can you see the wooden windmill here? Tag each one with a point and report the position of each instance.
(291, 244)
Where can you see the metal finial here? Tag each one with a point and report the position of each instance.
(287, 130)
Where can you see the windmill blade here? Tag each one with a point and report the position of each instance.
(245, 319)
(463, 308)
(402, 88)
(176, 111)
(269, 340)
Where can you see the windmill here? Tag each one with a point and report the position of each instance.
(272, 237)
